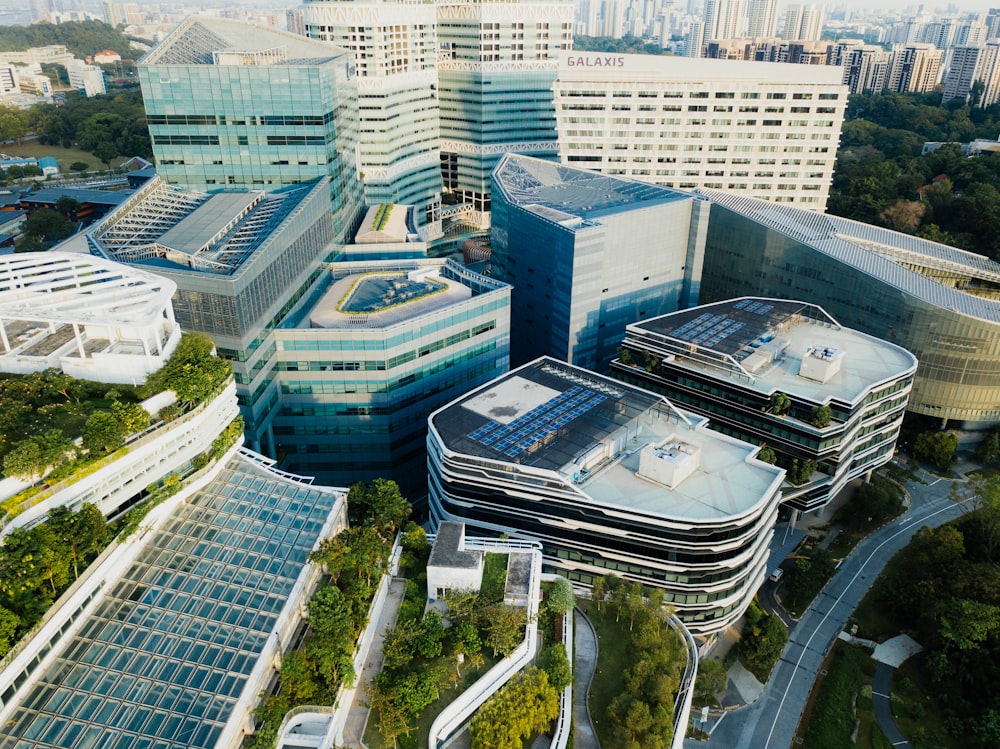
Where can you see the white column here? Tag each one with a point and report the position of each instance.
(79, 341)
(3, 336)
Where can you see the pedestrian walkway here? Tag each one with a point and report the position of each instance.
(357, 718)
(584, 666)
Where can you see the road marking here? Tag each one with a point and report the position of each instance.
(879, 694)
(817, 628)
(900, 743)
(935, 481)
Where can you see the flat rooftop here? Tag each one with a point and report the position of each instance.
(734, 339)
(208, 222)
(560, 192)
(381, 298)
(164, 658)
(446, 551)
(551, 416)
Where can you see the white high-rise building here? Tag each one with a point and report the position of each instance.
(972, 65)
(763, 18)
(753, 127)
(724, 19)
(396, 47)
(970, 33)
(939, 33)
(803, 22)
(914, 68)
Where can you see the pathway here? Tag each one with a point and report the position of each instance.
(357, 718)
(584, 665)
(883, 708)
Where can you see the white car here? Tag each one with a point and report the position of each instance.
(776, 575)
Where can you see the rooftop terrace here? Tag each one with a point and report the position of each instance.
(764, 343)
(564, 193)
(593, 430)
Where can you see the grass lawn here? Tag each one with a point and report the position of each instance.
(915, 708)
(609, 680)
(829, 718)
(65, 156)
(494, 578)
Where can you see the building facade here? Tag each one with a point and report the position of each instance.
(381, 346)
(616, 251)
(844, 392)
(496, 70)
(232, 104)
(770, 131)
(395, 50)
(803, 22)
(973, 66)
(609, 478)
(940, 303)
(914, 68)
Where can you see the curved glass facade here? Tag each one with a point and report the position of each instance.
(958, 376)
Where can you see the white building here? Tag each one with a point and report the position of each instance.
(914, 68)
(88, 79)
(763, 18)
(803, 22)
(762, 129)
(89, 317)
(971, 65)
(609, 478)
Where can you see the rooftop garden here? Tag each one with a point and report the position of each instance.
(56, 428)
(641, 661)
(354, 561)
(375, 292)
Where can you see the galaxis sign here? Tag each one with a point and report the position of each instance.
(595, 61)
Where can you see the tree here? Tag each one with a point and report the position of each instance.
(193, 371)
(504, 627)
(936, 448)
(103, 433)
(767, 455)
(710, 681)
(982, 497)
(988, 450)
(48, 225)
(561, 599)
(904, 215)
(68, 206)
(554, 661)
(379, 504)
(779, 404)
(764, 639)
(9, 622)
(597, 592)
(133, 417)
(79, 166)
(524, 707)
(820, 416)
(800, 471)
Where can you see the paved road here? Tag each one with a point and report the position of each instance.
(883, 708)
(771, 721)
(584, 665)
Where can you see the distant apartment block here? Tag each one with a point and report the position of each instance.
(914, 68)
(865, 66)
(232, 104)
(732, 361)
(615, 251)
(770, 131)
(609, 479)
(803, 22)
(974, 72)
(87, 79)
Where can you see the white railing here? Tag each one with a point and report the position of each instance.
(346, 695)
(685, 693)
(453, 717)
(560, 737)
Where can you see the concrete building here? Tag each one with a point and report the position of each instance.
(803, 22)
(616, 251)
(974, 69)
(730, 361)
(495, 74)
(609, 478)
(87, 79)
(85, 316)
(865, 66)
(914, 68)
(765, 130)
(762, 18)
(395, 48)
(233, 104)
(241, 261)
(724, 19)
(938, 302)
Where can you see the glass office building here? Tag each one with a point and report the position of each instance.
(241, 261)
(844, 392)
(940, 303)
(609, 478)
(381, 346)
(234, 104)
(498, 62)
(588, 254)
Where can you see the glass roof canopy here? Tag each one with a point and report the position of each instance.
(164, 658)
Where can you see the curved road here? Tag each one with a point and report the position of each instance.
(770, 722)
(584, 665)
(883, 706)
